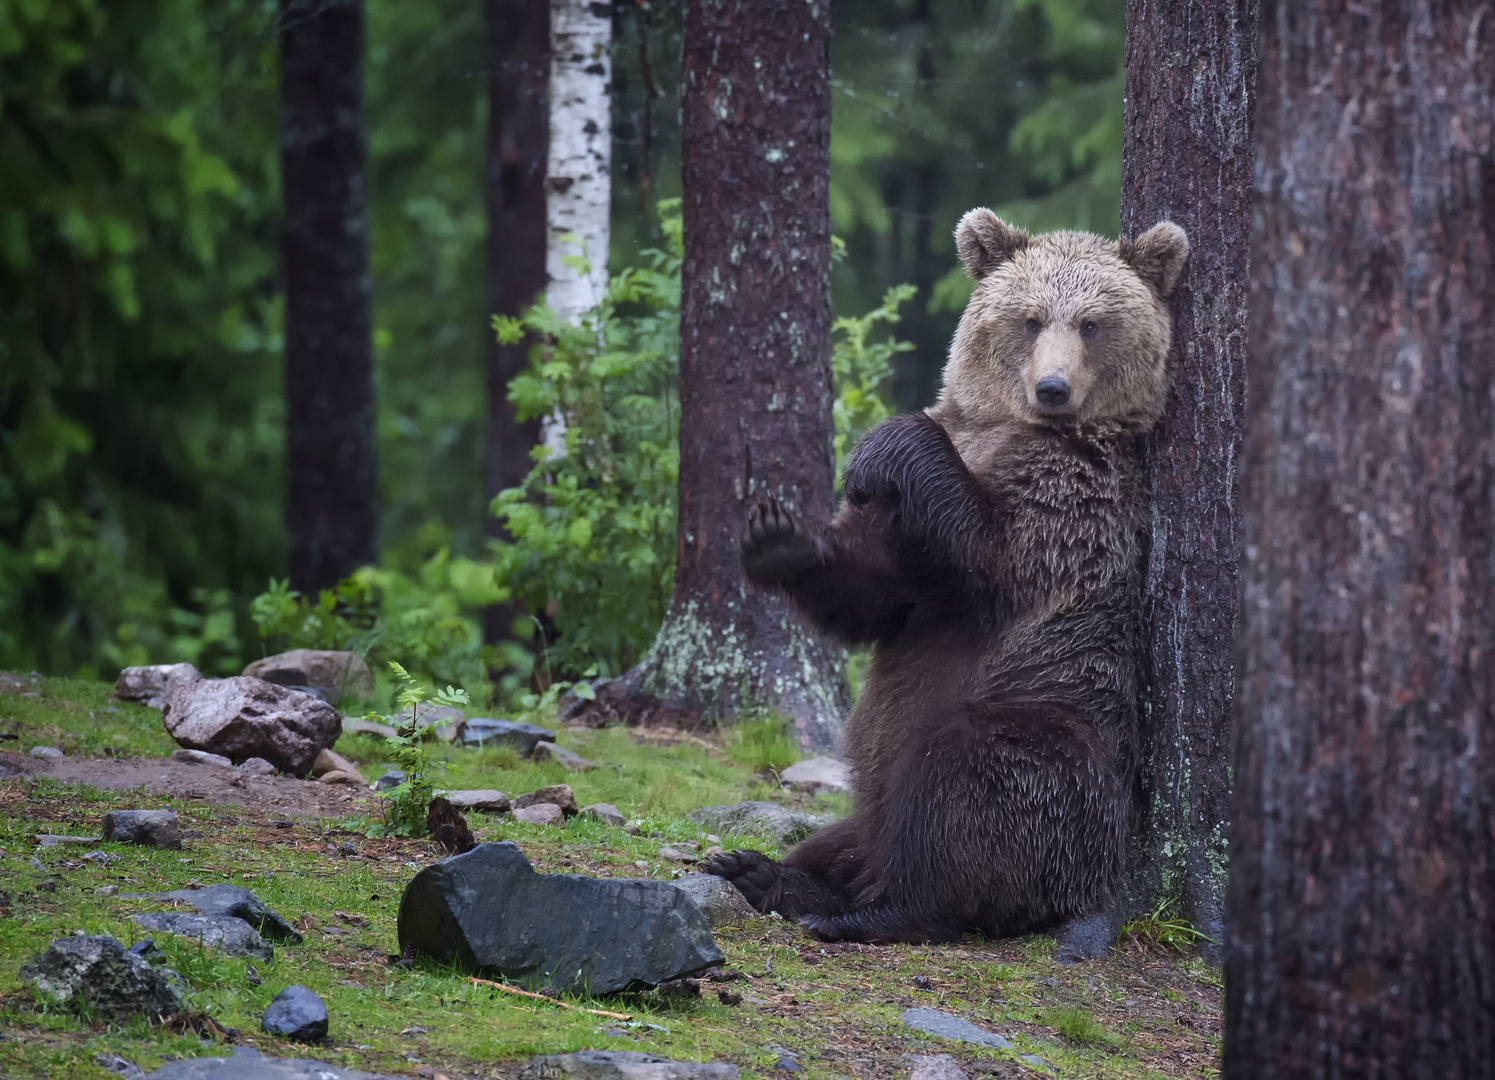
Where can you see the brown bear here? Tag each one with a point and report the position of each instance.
(989, 549)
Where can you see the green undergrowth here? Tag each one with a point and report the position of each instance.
(835, 1008)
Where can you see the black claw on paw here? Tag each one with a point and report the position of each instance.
(774, 547)
(753, 874)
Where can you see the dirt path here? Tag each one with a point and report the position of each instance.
(263, 796)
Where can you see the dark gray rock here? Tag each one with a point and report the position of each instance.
(485, 799)
(948, 1026)
(152, 828)
(607, 813)
(245, 717)
(327, 673)
(717, 898)
(766, 821)
(114, 982)
(152, 685)
(556, 794)
(392, 778)
(298, 1014)
(237, 903)
(258, 766)
(233, 936)
(621, 1065)
(488, 911)
(1085, 938)
(250, 1064)
(566, 759)
(484, 731)
(119, 1066)
(47, 752)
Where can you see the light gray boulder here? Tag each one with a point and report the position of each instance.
(332, 674)
(245, 717)
(817, 774)
(152, 685)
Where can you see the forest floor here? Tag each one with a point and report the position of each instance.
(808, 1010)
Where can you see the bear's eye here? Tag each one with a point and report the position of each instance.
(1034, 326)
(1088, 328)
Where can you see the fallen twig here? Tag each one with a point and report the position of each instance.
(541, 997)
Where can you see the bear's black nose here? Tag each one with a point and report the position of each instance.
(1053, 392)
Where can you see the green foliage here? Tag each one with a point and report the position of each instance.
(1162, 926)
(1080, 1025)
(761, 745)
(860, 369)
(405, 806)
(591, 532)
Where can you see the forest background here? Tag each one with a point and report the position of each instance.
(142, 443)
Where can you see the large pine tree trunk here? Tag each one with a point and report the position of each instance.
(332, 511)
(1190, 85)
(755, 373)
(518, 141)
(1362, 890)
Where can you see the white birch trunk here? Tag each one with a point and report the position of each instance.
(578, 172)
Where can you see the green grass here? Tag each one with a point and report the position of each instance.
(837, 1008)
(761, 745)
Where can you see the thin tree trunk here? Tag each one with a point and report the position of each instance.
(518, 141)
(1187, 157)
(1362, 891)
(332, 511)
(755, 373)
(578, 176)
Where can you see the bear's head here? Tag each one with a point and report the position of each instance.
(1063, 326)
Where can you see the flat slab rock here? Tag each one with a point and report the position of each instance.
(949, 1026)
(250, 1064)
(238, 903)
(491, 801)
(486, 731)
(116, 982)
(621, 1065)
(223, 932)
(331, 673)
(245, 717)
(488, 911)
(818, 774)
(766, 821)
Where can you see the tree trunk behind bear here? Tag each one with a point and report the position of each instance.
(1187, 156)
(755, 371)
(332, 496)
(518, 138)
(1362, 891)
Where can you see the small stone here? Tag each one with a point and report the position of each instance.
(348, 848)
(258, 766)
(338, 776)
(223, 932)
(101, 858)
(392, 778)
(717, 898)
(1037, 1062)
(817, 774)
(571, 762)
(936, 1067)
(680, 853)
(239, 903)
(948, 1026)
(298, 1014)
(151, 828)
(106, 890)
(121, 1067)
(331, 761)
(367, 727)
(46, 752)
(540, 814)
(450, 721)
(607, 813)
(115, 982)
(1085, 938)
(559, 794)
(621, 1065)
(486, 800)
(330, 674)
(248, 1064)
(763, 820)
(201, 757)
(484, 731)
(252, 975)
(50, 840)
(151, 686)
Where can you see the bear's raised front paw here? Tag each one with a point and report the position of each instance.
(775, 549)
(753, 873)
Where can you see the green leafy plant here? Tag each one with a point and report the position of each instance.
(1162, 927)
(860, 367)
(405, 806)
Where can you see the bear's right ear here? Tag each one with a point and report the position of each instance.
(985, 242)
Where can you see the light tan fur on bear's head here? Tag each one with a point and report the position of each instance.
(1065, 315)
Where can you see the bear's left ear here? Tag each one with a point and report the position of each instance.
(1158, 256)
(985, 242)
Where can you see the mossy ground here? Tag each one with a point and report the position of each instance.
(833, 1010)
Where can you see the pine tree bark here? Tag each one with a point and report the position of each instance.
(1363, 836)
(755, 372)
(332, 511)
(518, 141)
(1187, 157)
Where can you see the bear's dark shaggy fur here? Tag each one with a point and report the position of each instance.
(989, 548)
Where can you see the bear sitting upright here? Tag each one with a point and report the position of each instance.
(989, 549)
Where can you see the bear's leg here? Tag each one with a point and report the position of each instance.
(813, 880)
(1003, 825)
